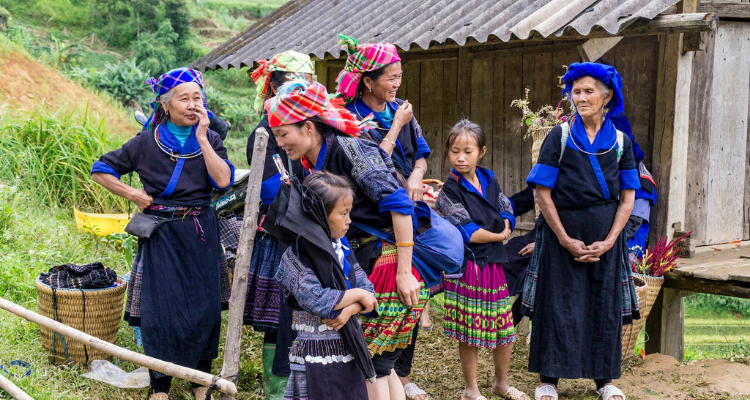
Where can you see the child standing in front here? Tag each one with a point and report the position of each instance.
(322, 367)
(478, 305)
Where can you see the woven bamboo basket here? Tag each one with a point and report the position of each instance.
(647, 288)
(539, 134)
(100, 317)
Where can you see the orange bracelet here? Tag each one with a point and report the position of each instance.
(404, 244)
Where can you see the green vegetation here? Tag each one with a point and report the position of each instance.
(51, 153)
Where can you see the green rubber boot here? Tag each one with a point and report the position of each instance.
(273, 385)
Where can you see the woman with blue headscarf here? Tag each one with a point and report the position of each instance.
(177, 282)
(579, 290)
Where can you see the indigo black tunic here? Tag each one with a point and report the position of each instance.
(410, 144)
(470, 210)
(578, 309)
(180, 295)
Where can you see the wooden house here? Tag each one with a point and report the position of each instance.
(685, 66)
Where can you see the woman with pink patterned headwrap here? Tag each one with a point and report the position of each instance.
(369, 83)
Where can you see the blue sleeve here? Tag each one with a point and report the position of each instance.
(102, 167)
(397, 201)
(629, 179)
(467, 230)
(542, 175)
(269, 189)
(423, 149)
(510, 218)
(123, 160)
(231, 178)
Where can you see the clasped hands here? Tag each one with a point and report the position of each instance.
(583, 253)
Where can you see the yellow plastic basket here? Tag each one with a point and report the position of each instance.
(101, 224)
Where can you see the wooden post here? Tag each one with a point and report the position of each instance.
(671, 129)
(164, 367)
(12, 389)
(665, 325)
(231, 367)
(665, 330)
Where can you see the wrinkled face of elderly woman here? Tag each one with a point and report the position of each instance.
(295, 140)
(590, 97)
(182, 103)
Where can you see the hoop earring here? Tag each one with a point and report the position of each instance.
(369, 89)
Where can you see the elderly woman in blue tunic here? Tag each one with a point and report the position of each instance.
(176, 286)
(579, 290)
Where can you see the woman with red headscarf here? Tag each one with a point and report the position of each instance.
(323, 135)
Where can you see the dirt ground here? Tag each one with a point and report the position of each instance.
(28, 83)
(437, 370)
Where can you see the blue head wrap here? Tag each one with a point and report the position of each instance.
(612, 79)
(168, 81)
(604, 73)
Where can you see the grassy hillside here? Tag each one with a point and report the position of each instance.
(28, 84)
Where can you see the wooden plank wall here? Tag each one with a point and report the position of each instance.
(718, 208)
(479, 82)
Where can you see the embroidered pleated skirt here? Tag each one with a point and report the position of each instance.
(394, 326)
(322, 367)
(263, 297)
(478, 307)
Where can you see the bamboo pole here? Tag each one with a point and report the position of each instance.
(13, 390)
(155, 364)
(231, 367)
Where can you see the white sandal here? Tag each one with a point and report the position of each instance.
(610, 390)
(545, 390)
(412, 391)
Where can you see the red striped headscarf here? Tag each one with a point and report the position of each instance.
(298, 101)
(362, 58)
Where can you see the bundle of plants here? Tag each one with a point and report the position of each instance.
(50, 155)
(658, 260)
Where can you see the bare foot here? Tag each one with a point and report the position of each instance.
(471, 394)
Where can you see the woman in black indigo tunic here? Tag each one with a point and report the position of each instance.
(175, 293)
(579, 290)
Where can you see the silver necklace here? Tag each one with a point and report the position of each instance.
(591, 154)
(170, 152)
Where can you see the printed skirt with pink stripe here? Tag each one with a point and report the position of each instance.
(478, 307)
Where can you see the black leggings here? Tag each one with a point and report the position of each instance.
(600, 383)
(161, 383)
(403, 364)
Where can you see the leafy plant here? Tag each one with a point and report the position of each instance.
(50, 154)
(239, 114)
(156, 53)
(124, 81)
(545, 117)
(659, 260)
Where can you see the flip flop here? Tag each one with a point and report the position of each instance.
(514, 394)
(412, 391)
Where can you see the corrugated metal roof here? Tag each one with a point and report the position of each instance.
(310, 26)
